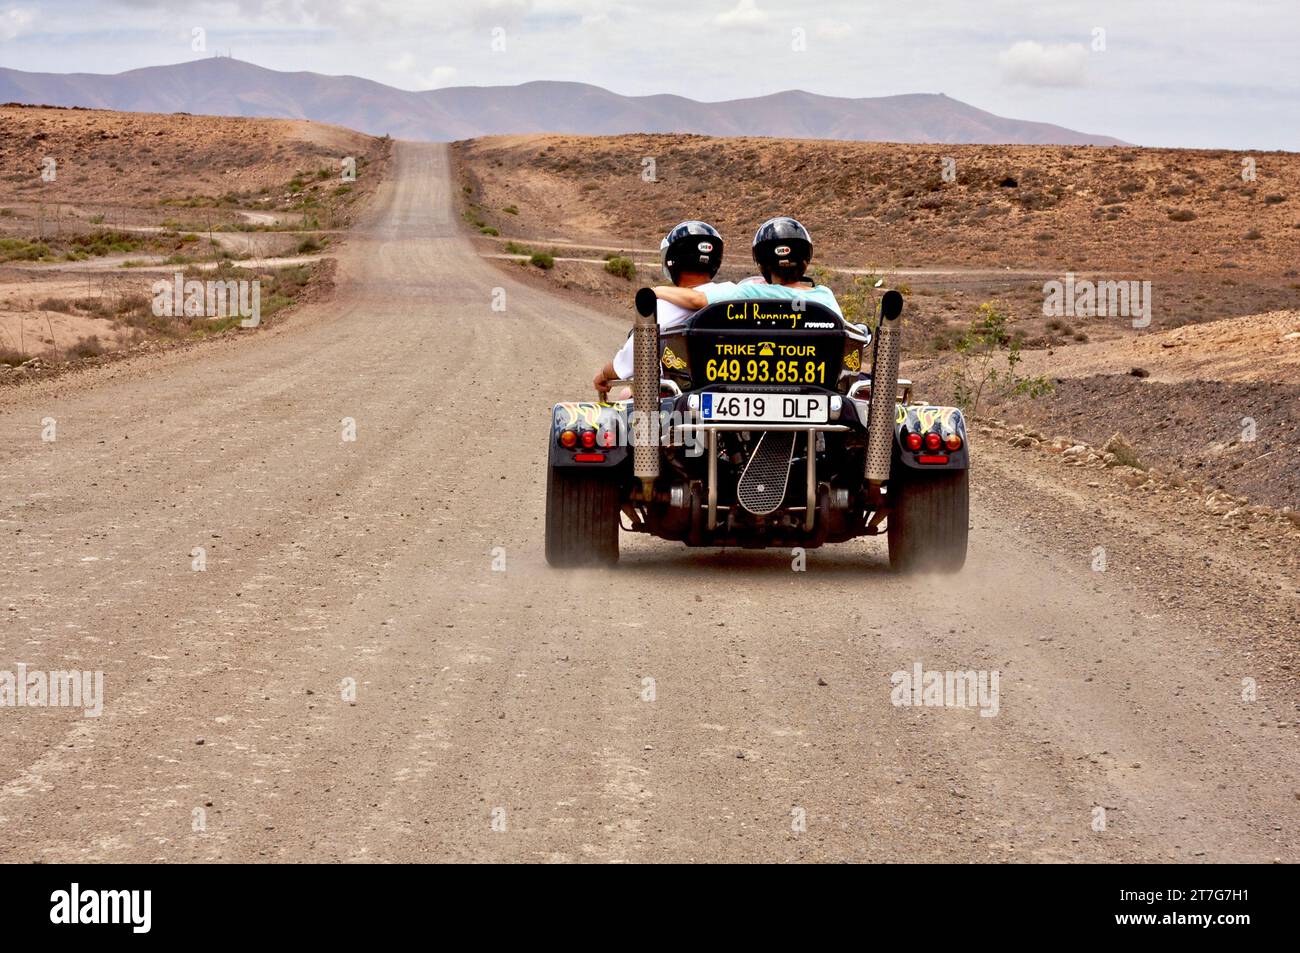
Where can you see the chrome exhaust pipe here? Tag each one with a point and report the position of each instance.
(884, 393)
(645, 392)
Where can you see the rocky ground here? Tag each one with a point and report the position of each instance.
(96, 205)
(1211, 243)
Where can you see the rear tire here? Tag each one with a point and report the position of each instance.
(582, 518)
(930, 523)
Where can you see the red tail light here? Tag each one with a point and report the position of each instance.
(932, 458)
(589, 438)
(932, 441)
(913, 442)
(952, 442)
(568, 438)
(589, 457)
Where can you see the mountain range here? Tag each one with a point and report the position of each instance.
(230, 87)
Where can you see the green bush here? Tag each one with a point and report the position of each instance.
(1125, 454)
(104, 242)
(987, 344)
(87, 347)
(621, 267)
(15, 249)
(543, 260)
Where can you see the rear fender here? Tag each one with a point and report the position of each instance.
(603, 419)
(927, 418)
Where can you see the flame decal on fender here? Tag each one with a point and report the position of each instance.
(569, 413)
(922, 419)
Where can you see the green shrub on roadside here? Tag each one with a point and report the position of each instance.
(621, 267)
(1124, 452)
(16, 249)
(988, 356)
(87, 347)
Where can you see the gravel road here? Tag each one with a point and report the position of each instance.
(689, 706)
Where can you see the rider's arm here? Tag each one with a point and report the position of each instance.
(604, 376)
(687, 298)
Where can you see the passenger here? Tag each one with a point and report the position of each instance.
(782, 250)
(690, 255)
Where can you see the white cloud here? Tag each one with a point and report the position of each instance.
(441, 75)
(745, 15)
(14, 23)
(418, 75)
(1030, 63)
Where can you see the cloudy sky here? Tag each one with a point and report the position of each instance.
(1223, 73)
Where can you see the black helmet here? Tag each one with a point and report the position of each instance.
(691, 246)
(781, 241)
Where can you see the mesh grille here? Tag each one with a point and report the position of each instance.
(762, 484)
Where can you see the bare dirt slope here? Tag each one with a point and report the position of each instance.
(517, 696)
(106, 158)
(1211, 243)
(95, 205)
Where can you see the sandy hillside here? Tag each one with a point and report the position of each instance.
(134, 159)
(1212, 244)
(1217, 403)
(96, 205)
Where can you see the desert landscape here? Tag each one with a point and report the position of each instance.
(309, 561)
(1211, 243)
(335, 482)
(95, 206)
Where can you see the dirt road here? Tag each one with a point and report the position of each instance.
(689, 706)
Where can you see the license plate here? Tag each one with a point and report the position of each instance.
(764, 408)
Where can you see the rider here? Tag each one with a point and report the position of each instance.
(782, 249)
(691, 254)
